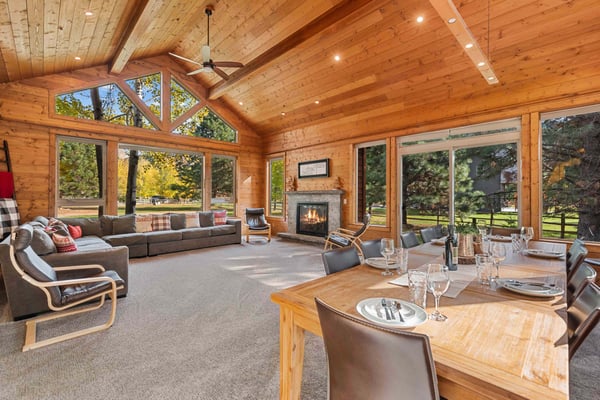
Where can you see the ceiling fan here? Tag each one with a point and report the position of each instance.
(208, 65)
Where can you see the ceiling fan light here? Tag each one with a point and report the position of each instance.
(205, 53)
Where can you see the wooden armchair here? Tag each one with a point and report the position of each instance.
(256, 224)
(62, 294)
(344, 237)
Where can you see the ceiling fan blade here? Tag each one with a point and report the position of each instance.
(184, 59)
(205, 53)
(228, 64)
(196, 71)
(221, 73)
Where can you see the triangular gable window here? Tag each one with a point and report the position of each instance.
(181, 100)
(148, 89)
(103, 103)
(206, 124)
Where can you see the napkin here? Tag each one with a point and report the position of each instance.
(459, 280)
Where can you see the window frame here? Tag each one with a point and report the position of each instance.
(234, 181)
(270, 161)
(357, 148)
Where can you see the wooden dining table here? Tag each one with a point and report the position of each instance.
(495, 344)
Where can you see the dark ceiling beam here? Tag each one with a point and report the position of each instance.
(316, 26)
(140, 21)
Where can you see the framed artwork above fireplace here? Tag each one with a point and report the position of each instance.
(313, 169)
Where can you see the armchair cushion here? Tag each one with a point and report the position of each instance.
(339, 240)
(255, 218)
(73, 293)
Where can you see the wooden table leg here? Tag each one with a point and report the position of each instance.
(291, 355)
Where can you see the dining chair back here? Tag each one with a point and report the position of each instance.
(409, 239)
(575, 257)
(337, 260)
(371, 248)
(582, 316)
(581, 276)
(367, 361)
(342, 237)
(428, 234)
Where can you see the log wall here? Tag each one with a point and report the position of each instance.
(28, 123)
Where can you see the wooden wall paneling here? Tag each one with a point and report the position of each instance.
(112, 178)
(529, 181)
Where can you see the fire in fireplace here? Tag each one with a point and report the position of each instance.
(311, 219)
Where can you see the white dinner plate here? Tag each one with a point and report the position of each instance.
(372, 310)
(500, 238)
(378, 262)
(544, 253)
(530, 288)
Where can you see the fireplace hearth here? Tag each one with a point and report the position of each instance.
(312, 219)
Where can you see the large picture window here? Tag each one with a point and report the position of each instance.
(371, 182)
(465, 176)
(223, 184)
(571, 174)
(276, 187)
(81, 166)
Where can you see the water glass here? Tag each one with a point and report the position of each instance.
(527, 235)
(387, 249)
(417, 287)
(517, 245)
(401, 260)
(484, 265)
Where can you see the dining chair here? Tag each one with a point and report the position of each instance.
(575, 256)
(371, 248)
(583, 316)
(428, 234)
(342, 237)
(62, 294)
(367, 361)
(256, 224)
(409, 239)
(337, 260)
(581, 276)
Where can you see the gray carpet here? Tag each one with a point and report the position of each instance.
(195, 325)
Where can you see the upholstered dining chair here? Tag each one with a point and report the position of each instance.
(575, 257)
(583, 316)
(62, 294)
(409, 239)
(256, 224)
(342, 237)
(430, 233)
(367, 361)
(581, 276)
(371, 248)
(339, 259)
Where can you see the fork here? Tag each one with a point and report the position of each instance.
(388, 314)
(399, 308)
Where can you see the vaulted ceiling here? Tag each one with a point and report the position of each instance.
(387, 60)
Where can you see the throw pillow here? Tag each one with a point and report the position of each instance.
(191, 220)
(143, 223)
(42, 243)
(75, 231)
(177, 221)
(161, 222)
(220, 217)
(207, 218)
(58, 226)
(63, 243)
(9, 216)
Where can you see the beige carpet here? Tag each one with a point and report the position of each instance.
(196, 325)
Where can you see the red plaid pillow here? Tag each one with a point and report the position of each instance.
(220, 217)
(161, 222)
(143, 223)
(64, 244)
(75, 231)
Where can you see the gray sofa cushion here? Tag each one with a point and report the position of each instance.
(207, 218)
(177, 221)
(87, 243)
(106, 224)
(222, 230)
(123, 224)
(89, 226)
(195, 233)
(126, 239)
(42, 243)
(163, 236)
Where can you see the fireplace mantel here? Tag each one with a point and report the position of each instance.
(333, 197)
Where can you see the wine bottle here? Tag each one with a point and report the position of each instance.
(448, 254)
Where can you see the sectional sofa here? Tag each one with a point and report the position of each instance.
(110, 241)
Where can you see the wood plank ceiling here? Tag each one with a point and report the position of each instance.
(388, 60)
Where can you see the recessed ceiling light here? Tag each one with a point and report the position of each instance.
(89, 13)
(77, 58)
(337, 57)
(480, 64)
(468, 45)
(491, 78)
(420, 19)
(316, 101)
(451, 20)
(282, 114)
(241, 103)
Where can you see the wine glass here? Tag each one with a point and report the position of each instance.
(527, 235)
(498, 253)
(438, 281)
(387, 249)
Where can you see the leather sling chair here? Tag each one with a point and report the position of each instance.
(342, 237)
(256, 224)
(62, 294)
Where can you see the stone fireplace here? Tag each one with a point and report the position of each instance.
(333, 200)
(312, 219)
